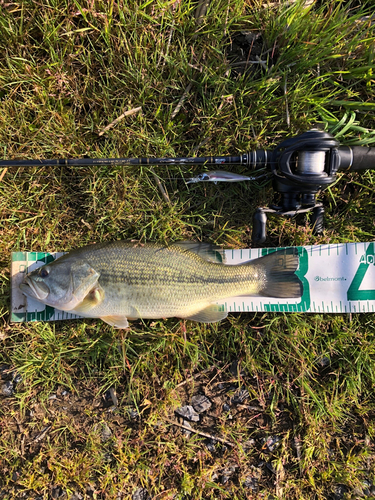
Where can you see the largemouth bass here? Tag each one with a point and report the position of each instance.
(122, 280)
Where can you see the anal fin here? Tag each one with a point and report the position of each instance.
(211, 314)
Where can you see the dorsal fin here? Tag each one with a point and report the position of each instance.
(207, 251)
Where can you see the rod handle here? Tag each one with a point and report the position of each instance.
(355, 158)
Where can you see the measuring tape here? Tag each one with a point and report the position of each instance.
(336, 278)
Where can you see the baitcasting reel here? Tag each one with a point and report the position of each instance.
(302, 166)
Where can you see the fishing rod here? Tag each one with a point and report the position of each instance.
(300, 167)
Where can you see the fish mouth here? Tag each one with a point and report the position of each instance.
(35, 290)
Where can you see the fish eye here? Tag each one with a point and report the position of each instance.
(203, 177)
(43, 272)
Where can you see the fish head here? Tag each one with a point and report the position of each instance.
(63, 283)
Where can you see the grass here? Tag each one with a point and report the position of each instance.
(68, 68)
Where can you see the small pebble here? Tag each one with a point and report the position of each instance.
(324, 361)
(186, 433)
(270, 467)
(249, 444)
(4, 371)
(76, 496)
(141, 494)
(272, 442)
(227, 473)
(133, 413)
(106, 433)
(251, 482)
(64, 393)
(188, 413)
(7, 388)
(17, 378)
(226, 407)
(15, 475)
(210, 445)
(235, 369)
(201, 403)
(339, 491)
(240, 397)
(53, 396)
(57, 492)
(107, 457)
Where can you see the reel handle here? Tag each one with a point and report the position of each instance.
(259, 233)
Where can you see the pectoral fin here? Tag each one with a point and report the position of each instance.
(116, 321)
(92, 299)
(210, 314)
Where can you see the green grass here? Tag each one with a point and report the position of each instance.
(68, 68)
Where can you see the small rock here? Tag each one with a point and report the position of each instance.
(107, 457)
(15, 475)
(235, 369)
(272, 442)
(132, 412)
(210, 445)
(186, 433)
(240, 397)
(7, 388)
(17, 378)
(323, 361)
(226, 407)
(251, 482)
(76, 496)
(53, 396)
(227, 473)
(4, 371)
(339, 491)
(106, 433)
(201, 403)
(64, 393)
(188, 413)
(141, 494)
(58, 492)
(248, 445)
(270, 467)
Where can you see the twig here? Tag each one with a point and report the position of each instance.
(181, 101)
(160, 186)
(167, 51)
(245, 63)
(202, 143)
(115, 122)
(42, 434)
(204, 434)
(280, 477)
(226, 19)
(286, 103)
(3, 173)
(262, 63)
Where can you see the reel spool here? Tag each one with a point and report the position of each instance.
(301, 167)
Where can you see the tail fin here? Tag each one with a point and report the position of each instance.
(279, 268)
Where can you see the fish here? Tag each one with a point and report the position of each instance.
(219, 176)
(121, 280)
